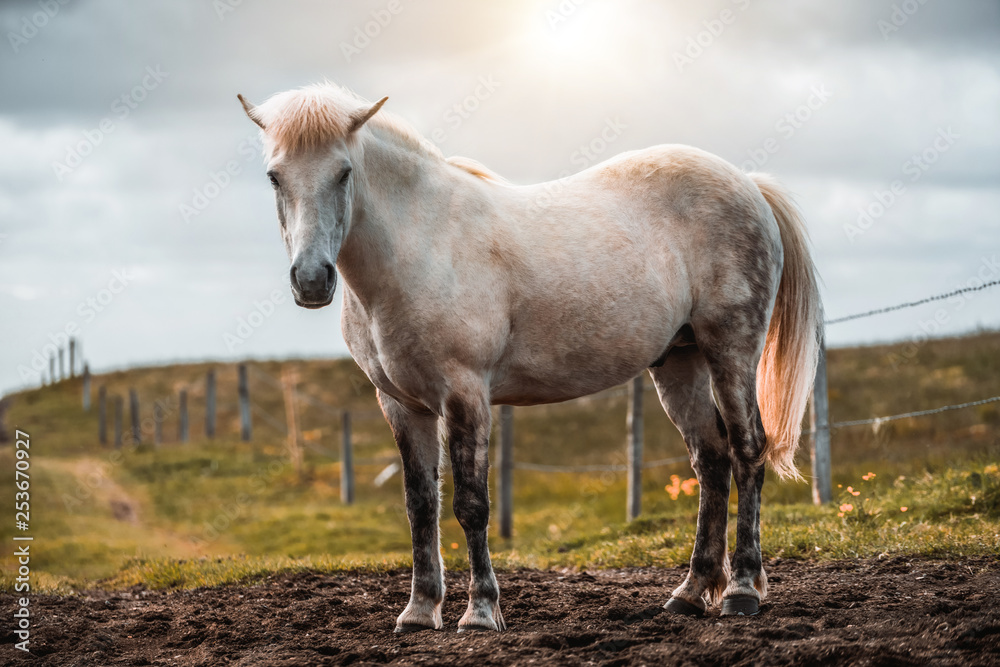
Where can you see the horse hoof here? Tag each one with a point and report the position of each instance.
(683, 607)
(407, 628)
(740, 605)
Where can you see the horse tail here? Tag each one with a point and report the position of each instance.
(788, 364)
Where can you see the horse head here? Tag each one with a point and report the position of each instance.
(309, 135)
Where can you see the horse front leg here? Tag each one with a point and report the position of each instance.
(468, 425)
(417, 438)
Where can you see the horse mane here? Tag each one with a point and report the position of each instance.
(477, 169)
(308, 117)
(317, 114)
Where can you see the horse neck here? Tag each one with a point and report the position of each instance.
(399, 206)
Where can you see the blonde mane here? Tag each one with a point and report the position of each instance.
(318, 114)
(307, 117)
(477, 169)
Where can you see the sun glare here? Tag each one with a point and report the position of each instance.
(575, 32)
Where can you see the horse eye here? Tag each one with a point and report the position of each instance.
(345, 176)
(273, 178)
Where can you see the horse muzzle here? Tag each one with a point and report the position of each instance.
(313, 284)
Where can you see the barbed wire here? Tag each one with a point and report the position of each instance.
(665, 462)
(616, 392)
(542, 467)
(377, 460)
(275, 423)
(918, 413)
(911, 304)
(322, 450)
(267, 377)
(319, 404)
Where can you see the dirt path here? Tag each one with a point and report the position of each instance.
(893, 612)
(95, 482)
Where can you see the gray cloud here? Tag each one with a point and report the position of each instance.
(560, 79)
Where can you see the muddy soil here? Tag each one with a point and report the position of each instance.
(897, 611)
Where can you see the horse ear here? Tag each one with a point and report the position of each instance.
(251, 112)
(361, 117)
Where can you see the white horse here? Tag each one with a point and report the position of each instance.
(462, 290)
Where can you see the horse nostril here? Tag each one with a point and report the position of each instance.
(295, 282)
(329, 275)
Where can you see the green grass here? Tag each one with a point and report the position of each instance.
(223, 511)
(949, 515)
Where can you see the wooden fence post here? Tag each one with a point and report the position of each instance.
(506, 470)
(102, 415)
(634, 446)
(133, 407)
(62, 371)
(52, 368)
(346, 462)
(159, 414)
(183, 433)
(822, 487)
(210, 404)
(119, 409)
(246, 430)
(86, 387)
(288, 382)
(72, 357)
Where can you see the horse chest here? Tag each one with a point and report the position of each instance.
(392, 355)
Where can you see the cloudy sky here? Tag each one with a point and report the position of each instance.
(118, 121)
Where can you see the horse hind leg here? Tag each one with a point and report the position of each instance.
(733, 353)
(684, 387)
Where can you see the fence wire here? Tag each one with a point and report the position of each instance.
(275, 423)
(616, 392)
(541, 467)
(918, 413)
(331, 410)
(911, 304)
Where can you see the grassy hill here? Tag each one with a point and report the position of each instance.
(217, 510)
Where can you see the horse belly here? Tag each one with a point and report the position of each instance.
(585, 350)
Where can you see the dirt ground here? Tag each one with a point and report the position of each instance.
(892, 612)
